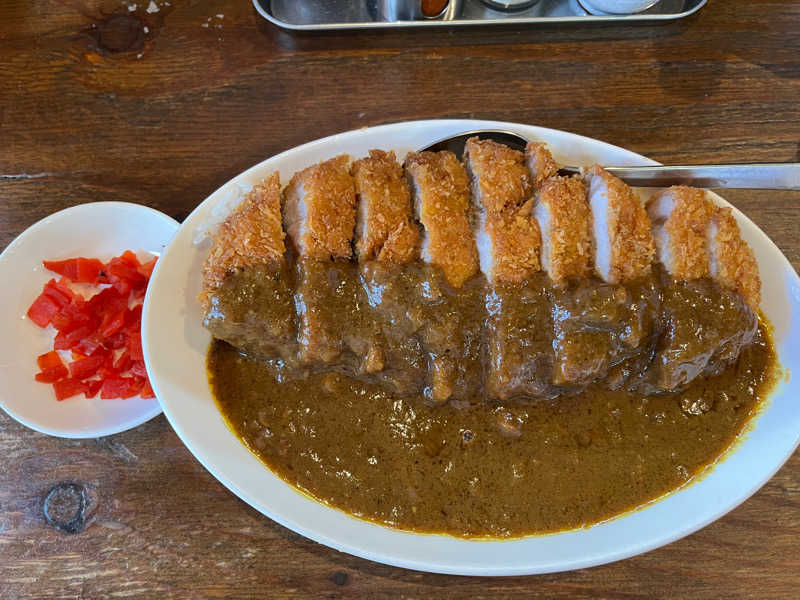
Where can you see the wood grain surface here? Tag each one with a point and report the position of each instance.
(93, 106)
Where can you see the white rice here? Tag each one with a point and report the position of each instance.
(230, 197)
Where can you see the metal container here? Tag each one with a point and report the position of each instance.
(326, 15)
(411, 10)
(509, 5)
(617, 7)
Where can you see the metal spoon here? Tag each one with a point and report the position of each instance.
(765, 176)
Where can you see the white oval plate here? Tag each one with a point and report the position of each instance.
(175, 347)
(97, 229)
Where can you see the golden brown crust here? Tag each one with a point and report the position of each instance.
(736, 264)
(629, 229)
(251, 235)
(502, 188)
(501, 174)
(515, 240)
(330, 201)
(570, 227)
(388, 233)
(687, 230)
(443, 206)
(402, 245)
(541, 164)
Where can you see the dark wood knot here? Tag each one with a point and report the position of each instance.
(121, 33)
(65, 507)
(339, 578)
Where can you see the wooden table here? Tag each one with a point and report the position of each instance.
(95, 107)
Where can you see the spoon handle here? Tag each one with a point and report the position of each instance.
(775, 176)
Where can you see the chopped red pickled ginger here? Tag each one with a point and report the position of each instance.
(102, 332)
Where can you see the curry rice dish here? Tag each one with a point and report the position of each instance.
(486, 348)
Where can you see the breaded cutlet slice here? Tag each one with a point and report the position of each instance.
(565, 222)
(319, 215)
(317, 333)
(731, 261)
(251, 235)
(440, 189)
(514, 241)
(320, 210)
(541, 164)
(506, 235)
(384, 230)
(681, 217)
(623, 240)
(499, 176)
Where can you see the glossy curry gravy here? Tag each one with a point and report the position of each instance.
(575, 437)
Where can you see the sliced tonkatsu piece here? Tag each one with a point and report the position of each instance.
(565, 223)
(581, 350)
(394, 302)
(624, 244)
(320, 210)
(384, 230)
(506, 235)
(251, 235)
(319, 216)
(681, 217)
(432, 334)
(247, 292)
(601, 326)
(624, 252)
(711, 290)
(707, 327)
(732, 262)
(635, 327)
(696, 239)
(335, 327)
(452, 335)
(385, 238)
(500, 179)
(520, 340)
(440, 189)
(509, 245)
(541, 164)
(519, 324)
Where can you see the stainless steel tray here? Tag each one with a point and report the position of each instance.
(321, 15)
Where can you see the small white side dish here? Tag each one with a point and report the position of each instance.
(101, 230)
(175, 345)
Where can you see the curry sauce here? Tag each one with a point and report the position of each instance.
(581, 429)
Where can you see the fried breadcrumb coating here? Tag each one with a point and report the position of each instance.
(507, 236)
(441, 190)
(733, 261)
(683, 213)
(541, 164)
(320, 210)
(251, 235)
(384, 228)
(627, 239)
(568, 237)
